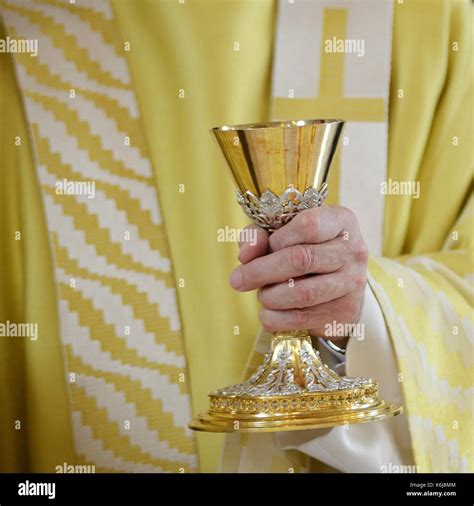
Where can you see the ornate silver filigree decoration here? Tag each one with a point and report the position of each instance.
(272, 212)
(276, 375)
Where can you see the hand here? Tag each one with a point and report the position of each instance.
(310, 273)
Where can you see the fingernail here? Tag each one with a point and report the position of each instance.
(235, 279)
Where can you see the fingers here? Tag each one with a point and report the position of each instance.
(343, 310)
(305, 292)
(311, 272)
(315, 226)
(292, 262)
(253, 243)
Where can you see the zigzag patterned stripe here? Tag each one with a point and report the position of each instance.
(147, 230)
(456, 423)
(99, 124)
(104, 332)
(138, 390)
(109, 217)
(85, 37)
(87, 257)
(94, 452)
(118, 409)
(19, 27)
(427, 395)
(108, 432)
(114, 111)
(67, 45)
(86, 140)
(101, 362)
(429, 266)
(66, 148)
(437, 389)
(457, 346)
(448, 448)
(100, 20)
(99, 9)
(428, 380)
(437, 326)
(143, 310)
(457, 261)
(100, 237)
(120, 315)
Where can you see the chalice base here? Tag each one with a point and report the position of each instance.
(293, 390)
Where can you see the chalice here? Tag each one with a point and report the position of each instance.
(280, 169)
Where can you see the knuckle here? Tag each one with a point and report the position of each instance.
(360, 282)
(357, 250)
(301, 258)
(360, 251)
(300, 317)
(305, 295)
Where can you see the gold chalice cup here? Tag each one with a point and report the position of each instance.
(280, 169)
